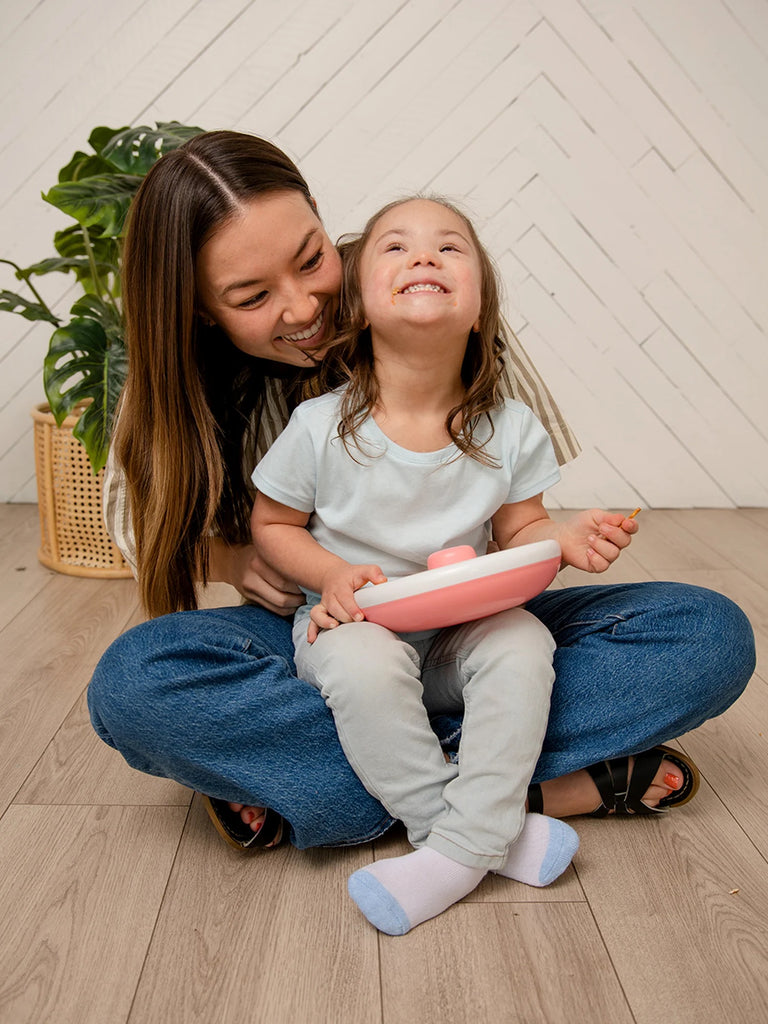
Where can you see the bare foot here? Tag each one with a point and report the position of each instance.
(577, 794)
(254, 816)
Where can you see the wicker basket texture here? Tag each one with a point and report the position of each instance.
(73, 538)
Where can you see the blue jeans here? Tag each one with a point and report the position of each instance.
(211, 698)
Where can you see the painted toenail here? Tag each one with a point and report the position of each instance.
(672, 781)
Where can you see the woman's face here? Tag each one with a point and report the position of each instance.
(270, 278)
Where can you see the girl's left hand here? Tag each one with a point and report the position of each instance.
(593, 539)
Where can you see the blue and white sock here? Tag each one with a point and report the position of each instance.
(542, 851)
(398, 893)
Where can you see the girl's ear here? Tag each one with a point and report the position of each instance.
(476, 326)
(313, 203)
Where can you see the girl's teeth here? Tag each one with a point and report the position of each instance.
(308, 333)
(422, 288)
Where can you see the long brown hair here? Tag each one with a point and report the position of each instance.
(190, 409)
(351, 361)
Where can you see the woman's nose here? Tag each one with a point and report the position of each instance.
(300, 307)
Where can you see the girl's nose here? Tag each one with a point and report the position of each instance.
(425, 258)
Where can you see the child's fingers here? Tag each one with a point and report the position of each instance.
(344, 608)
(369, 574)
(620, 535)
(319, 619)
(596, 561)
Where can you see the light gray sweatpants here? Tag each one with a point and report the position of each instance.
(382, 688)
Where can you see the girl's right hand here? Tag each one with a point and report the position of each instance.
(243, 568)
(338, 603)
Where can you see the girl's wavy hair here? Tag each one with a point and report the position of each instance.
(350, 361)
(189, 413)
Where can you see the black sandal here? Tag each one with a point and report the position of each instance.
(611, 776)
(234, 830)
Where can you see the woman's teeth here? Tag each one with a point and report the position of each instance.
(309, 332)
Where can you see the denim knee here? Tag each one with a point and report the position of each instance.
(728, 640)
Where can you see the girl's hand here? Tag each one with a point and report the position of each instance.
(593, 539)
(243, 568)
(337, 603)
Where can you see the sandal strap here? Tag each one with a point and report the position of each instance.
(535, 799)
(619, 769)
(646, 765)
(603, 780)
(620, 793)
(624, 794)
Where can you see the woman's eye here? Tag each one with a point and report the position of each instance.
(255, 300)
(313, 261)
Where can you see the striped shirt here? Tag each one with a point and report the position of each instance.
(522, 382)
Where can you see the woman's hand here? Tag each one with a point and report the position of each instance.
(337, 602)
(243, 568)
(593, 539)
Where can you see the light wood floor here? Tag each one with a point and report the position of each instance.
(118, 902)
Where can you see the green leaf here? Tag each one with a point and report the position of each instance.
(10, 302)
(101, 200)
(84, 165)
(134, 150)
(99, 137)
(70, 242)
(64, 264)
(86, 360)
(94, 307)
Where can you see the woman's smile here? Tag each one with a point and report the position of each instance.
(270, 278)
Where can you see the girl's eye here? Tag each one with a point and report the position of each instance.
(314, 261)
(449, 247)
(255, 300)
(394, 247)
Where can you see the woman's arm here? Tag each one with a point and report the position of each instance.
(589, 540)
(243, 567)
(280, 534)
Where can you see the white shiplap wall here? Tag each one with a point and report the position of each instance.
(615, 156)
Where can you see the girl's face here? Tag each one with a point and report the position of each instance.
(270, 278)
(419, 267)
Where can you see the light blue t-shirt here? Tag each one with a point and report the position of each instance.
(392, 506)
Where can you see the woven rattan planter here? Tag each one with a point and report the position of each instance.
(72, 533)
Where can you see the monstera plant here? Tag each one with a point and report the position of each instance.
(86, 361)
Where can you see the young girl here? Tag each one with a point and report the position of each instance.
(419, 451)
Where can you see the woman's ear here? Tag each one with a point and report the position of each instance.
(476, 326)
(207, 320)
(313, 203)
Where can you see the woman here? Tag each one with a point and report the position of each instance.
(230, 286)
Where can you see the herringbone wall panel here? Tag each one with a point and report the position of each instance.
(615, 156)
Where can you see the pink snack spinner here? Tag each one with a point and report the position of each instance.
(457, 586)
